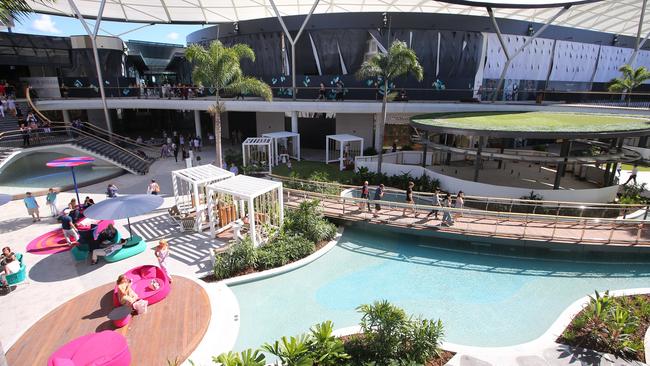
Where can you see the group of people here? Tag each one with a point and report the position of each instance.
(179, 143)
(31, 127)
(439, 202)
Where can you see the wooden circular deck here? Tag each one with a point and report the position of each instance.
(170, 330)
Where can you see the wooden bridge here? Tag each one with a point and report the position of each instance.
(482, 223)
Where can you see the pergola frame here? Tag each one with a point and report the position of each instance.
(278, 136)
(342, 141)
(244, 194)
(189, 189)
(257, 149)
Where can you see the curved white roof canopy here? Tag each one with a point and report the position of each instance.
(612, 16)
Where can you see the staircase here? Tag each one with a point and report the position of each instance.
(118, 156)
(6, 153)
(10, 123)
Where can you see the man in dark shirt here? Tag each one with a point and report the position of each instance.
(69, 230)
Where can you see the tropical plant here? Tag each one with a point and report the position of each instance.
(630, 80)
(399, 61)
(292, 351)
(219, 67)
(633, 194)
(11, 10)
(245, 358)
(325, 348)
(423, 338)
(237, 259)
(307, 220)
(383, 325)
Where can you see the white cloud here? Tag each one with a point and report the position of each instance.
(45, 24)
(173, 36)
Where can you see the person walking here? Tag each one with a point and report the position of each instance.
(447, 220)
(633, 174)
(32, 207)
(409, 198)
(111, 191)
(460, 203)
(153, 188)
(379, 194)
(70, 232)
(321, 92)
(435, 202)
(25, 133)
(175, 150)
(365, 194)
(162, 252)
(50, 199)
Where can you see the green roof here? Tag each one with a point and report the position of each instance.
(543, 124)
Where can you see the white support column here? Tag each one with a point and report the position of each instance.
(297, 147)
(361, 152)
(281, 198)
(327, 150)
(175, 188)
(251, 222)
(276, 156)
(66, 117)
(377, 129)
(341, 156)
(197, 123)
(211, 216)
(294, 122)
(638, 44)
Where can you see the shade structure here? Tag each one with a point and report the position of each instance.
(71, 162)
(342, 148)
(289, 145)
(124, 207)
(4, 199)
(257, 155)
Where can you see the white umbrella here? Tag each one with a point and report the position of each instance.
(124, 207)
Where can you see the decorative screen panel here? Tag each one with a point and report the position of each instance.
(609, 60)
(532, 63)
(574, 61)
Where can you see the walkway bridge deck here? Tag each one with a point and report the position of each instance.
(490, 224)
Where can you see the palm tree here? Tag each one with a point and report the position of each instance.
(219, 67)
(13, 9)
(398, 61)
(631, 79)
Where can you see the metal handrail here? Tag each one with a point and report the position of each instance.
(111, 135)
(468, 197)
(572, 223)
(18, 133)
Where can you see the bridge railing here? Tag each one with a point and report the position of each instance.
(493, 204)
(555, 228)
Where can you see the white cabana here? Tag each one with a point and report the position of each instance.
(343, 148)
(257, 153)
(190, 193)
(258, 202)
(284, 143)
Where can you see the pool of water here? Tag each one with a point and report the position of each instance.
(483, 299)
(29, 172)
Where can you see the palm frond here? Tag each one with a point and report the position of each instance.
(250, 86)
(400, 60)
(15, 10)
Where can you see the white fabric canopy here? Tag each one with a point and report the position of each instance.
(245, 187)
(613, 16)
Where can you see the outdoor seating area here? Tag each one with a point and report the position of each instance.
(257, 154)
(285, 145)
(190, 200)
(81, 332)
(257, 202)
(343, 149)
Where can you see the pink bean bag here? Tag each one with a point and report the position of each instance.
(141, 278)
(106, 348)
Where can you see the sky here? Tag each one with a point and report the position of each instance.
(51, 25)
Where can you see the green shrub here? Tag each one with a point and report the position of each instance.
(390, 337)
(307, 220)
(237, 259)
(326, 349)
(283, 249)
(244, 358)
(370, 151)
(632, 194)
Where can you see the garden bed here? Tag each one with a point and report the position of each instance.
(445, 356)
(609, 324)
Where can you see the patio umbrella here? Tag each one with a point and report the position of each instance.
(124, 207)
(71, 162)
(4, 199)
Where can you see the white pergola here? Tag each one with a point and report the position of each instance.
(342, 148)
(259, 200)
(190, 194)
(257, 152)
(284, 137)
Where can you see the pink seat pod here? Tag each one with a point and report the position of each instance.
(141, 278)
(106, 348)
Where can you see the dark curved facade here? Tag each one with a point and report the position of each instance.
(333, 46)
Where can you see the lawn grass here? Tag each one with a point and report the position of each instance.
(304, 169)
(630, 166)
(535, 121)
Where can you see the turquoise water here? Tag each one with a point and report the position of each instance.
(483, 299)
(29, 172)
